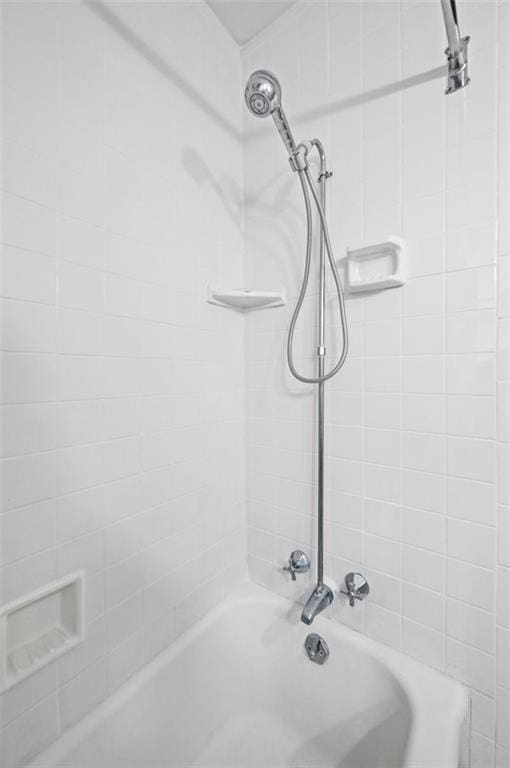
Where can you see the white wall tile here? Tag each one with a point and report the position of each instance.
(383, 447)
(382, 555)
(503, 474)
(424, 607)
(82, 694)
(29, 174)
(28, 276)
(423, 568)
(85, 654)
(386, 590)
(382, 374)
(423, 335)
(481, 750)
(423, 375)
(123, 620)
(28, 327)
(470, 666)
(383, 625)
(424, 644)
(28, 225)
(504, 536)
(31, 732)
(125, 660)
(80, 242)
(122, 540)
(504, 597)
(472, 459)
(471, 542)
(504, 411)
(503, 717)
(424, 413)
(470, 374)
(382, 337)
(471, 625)
(470, 289)
(29, 692)
(424, 295)
(471, 500)
(383, 483)
(471, 331)
(26, 575)
(424, 529)
(471, 416)
(424, 452)
(471, 584)
(502, 757)
(85, 552)
(80, 288)
(503, 658)
(27, 531)
(41, 468)
(382, 411)
(383, 519)
(483, 714)
(424, 490)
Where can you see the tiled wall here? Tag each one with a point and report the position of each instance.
(417, 417)
(122, 389)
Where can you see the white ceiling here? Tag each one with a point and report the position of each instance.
(244, 18)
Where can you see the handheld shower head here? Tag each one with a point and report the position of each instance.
(263, 96)
(263, 93)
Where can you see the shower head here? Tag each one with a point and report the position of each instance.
(263, 95)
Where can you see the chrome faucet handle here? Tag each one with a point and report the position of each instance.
(298, 563)
(356, 587)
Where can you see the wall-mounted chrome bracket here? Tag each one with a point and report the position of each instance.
(457, 49)
(299, 160)
(458, 66)
(325, 175)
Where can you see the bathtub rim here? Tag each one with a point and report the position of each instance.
(401, 667)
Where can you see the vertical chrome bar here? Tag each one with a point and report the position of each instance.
(321, 353)
(320, 479)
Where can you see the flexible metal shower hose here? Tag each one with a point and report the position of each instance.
(306, 182)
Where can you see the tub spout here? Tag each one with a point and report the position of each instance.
(321, 597)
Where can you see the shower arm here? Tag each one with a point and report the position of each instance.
(457, 49)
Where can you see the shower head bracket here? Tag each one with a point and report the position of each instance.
(298, 160)
(456, 51)
(458, 66)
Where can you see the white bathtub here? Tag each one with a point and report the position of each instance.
(238, 690)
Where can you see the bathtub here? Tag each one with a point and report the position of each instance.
(238, 690)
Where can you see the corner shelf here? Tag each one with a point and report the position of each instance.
(244, 299)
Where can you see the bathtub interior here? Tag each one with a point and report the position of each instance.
(241, 692)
